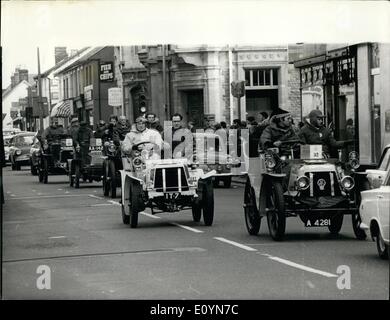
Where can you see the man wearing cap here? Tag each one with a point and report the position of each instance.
(140, 133)
(153, 122)
(52, 130)
(314, 132)
(74, 127)
(279, 130)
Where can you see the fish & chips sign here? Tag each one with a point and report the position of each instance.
(106, 72)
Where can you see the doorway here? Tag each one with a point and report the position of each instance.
(195, 106)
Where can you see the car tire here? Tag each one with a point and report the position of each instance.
(77, 176)
(208, 202)
(252, 215)
(45, 171)
(125, 217)
(196, 210)
(135, 194)
(113, 182)
(356, 219)
(382, 247)
(336, 222)
(227, 182)
(276, 218)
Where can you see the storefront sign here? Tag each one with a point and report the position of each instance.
(106, 72)
(115, 97)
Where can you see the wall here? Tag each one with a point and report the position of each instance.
(18, 92)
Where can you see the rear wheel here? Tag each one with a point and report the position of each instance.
(208, 202)
(382, 247)
(252, 216)
(77, 176)
(336, 222)
(113, 182)
(45, 171)
(276, 217)
(135, 195)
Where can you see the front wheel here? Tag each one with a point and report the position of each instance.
(134, 206)
(336, 222)
(356, 221)
(252, 216)
(382, 247)
(45, 171)
(77, 176)
(276, 217)
(208, 203)
(113, 182)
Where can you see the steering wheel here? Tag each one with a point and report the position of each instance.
(295, 141)
(137, 145)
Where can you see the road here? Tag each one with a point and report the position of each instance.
(79, 235)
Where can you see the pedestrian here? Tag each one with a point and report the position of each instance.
(153, 122)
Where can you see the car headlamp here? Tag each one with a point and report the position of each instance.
(302, 183)
(270, 163)
(18, 152)
(354, 160)
(112, 147)
(347, 182)
(137, 162)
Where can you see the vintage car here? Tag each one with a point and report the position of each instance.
(112, 164)
(87, 163)
(318, 189)
(164, 185)
(213, 155)
(19, 148)
(376, 176)
(375, 212)
(54, 156)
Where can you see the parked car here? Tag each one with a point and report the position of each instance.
(214, 156)
(375, 212)
(318, 189)
(166, 185)
(19, 152)
(377, 176)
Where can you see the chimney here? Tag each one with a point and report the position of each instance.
(60, 54)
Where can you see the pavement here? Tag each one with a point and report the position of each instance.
(78, 236)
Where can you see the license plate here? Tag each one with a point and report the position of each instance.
(95, 148)
(317, 223)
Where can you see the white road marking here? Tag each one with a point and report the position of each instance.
(301, 266)
(57, 237)
(239, 245)
(52, 196)
(187, 228)
(150, 215)
(8, 191)
(96, 197)
(59, 189)
(39, 194)
(12, 195)
(101, 204)
(114, 202)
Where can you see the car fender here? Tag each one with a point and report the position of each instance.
(208, 175)
(273, 176)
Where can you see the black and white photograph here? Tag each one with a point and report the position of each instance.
(195, 151)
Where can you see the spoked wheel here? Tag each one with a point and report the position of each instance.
(104, 180)
(208, 202)
(45, 170)
(252, 215)
(135, 195)
(77, 176)
(113, 182)
(196, 210)
(276, 217)
(381, 246)
(336, 222)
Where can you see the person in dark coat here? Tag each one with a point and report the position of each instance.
(122, 128)
(154, 123)
(83, 137)
(73, 128)
(314, 132)
(100, 130)
(279, 130)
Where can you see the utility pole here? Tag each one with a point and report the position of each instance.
(40, 94)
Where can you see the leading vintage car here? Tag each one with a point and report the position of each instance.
(375, 212)
(164, 185)
(318, 189)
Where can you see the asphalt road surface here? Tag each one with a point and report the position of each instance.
(90, 254)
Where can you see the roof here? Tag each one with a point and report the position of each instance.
(82, 59)
(61, 63)
(10, 89)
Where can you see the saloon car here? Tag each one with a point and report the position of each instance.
(317, 189)
(164, 185)
(19, 149)
(375, 212)
(376, 176)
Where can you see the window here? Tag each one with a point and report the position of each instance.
(267, 78)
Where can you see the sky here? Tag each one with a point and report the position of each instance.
(25, 25)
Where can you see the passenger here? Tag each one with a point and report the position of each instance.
(74, 127)
(52, 131)
(314, 132)
(122, 128)
(153, 122)
(141, 133)
(181, 138)
(99, 133)
(279, 130)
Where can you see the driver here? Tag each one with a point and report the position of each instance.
(314, 132)
(280, 129)
(53, 130)
(142, 134)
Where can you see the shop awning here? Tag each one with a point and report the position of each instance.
(62, 109)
